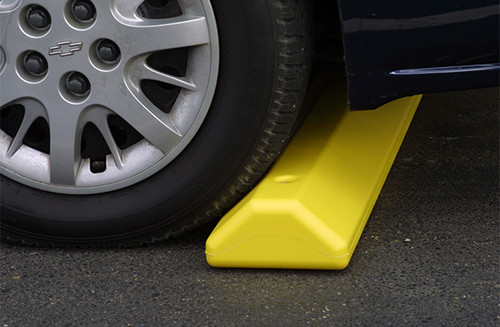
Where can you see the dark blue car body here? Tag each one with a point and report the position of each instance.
(399, 48)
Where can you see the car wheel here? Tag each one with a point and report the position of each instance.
(130, 121)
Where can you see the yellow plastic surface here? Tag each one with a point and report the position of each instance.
(311, 208)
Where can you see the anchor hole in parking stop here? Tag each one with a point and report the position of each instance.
(286, 179)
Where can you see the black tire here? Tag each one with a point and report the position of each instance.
(265, 57)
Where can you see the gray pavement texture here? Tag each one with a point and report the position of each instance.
(429, 255)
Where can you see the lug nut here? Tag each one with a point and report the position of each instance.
(108, 51)
(38, 18)
(35, 64)
(83, 10)
(78, 84)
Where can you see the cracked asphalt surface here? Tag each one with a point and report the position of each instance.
(429, 255)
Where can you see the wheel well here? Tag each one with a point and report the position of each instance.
(327, 33)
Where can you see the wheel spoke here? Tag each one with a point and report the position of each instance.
(127, 8)
(169, 33)
(65, 156)
(99, 117)
(140, 70)
(162, 133)
(32, 110)
(28, 120)
(155, 126)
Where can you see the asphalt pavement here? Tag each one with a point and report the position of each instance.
(429, 255)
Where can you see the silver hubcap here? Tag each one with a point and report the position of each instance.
(100, 97)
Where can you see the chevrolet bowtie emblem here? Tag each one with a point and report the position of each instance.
(65, 48)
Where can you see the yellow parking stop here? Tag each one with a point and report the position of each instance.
(311, 208)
